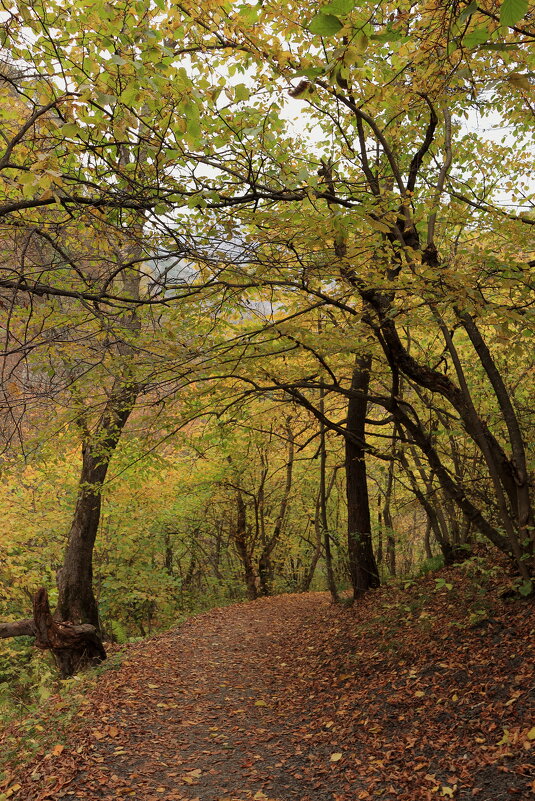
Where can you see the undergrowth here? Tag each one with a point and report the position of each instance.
(44, 725)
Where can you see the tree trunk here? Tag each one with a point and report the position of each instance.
(387, 516)
(265, 565)
(323, 498)
(524, 509)
(502, 470)
(73, 647)
(304, 585)
(362, 564)
(240, 540)
(379, 556)
(76, 601)
(427, 539)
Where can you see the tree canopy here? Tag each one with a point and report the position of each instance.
(271, 269)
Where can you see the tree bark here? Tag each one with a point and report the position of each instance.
(73, 647)
(362, 564)
(240, 540)
(322, 503)
(427, 539)
(265, 565)
(76, 601)
(387, 515)
(524, 509)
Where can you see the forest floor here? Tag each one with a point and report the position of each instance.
(414, 693)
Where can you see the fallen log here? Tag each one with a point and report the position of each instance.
(73, 646)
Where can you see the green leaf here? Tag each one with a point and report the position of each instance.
(526, 588)
(241, 92)
(352, 56)
(129, 94)
(512, 11)
(389, 34)
(69, 129)
(324, 25)
(356, 49)
(250, 13)
(468, 11)
(476, 37)
(339, 7)
(310, 72)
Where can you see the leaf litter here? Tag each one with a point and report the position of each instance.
(402, 696)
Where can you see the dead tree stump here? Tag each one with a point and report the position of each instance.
(73, 647)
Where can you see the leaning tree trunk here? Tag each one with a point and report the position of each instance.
(362, 564)
(76, 601)
(73, 633)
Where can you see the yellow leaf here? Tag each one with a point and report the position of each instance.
(58, 749)
(336, 757)
(519, 81)
(419, 694)
(447, 791)
(531, 734)
(260, 703)
(505, 740)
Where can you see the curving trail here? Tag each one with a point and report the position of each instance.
(291, 699)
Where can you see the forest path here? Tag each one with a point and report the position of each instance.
(219, 708)
(292, 699)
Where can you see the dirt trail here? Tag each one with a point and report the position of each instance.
(401, 698)
(213, 721)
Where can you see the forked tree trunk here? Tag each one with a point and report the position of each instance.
(362, 564)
